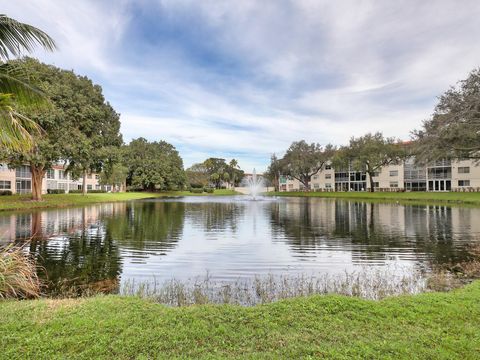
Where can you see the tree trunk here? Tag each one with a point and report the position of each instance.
(37, 233)
(38, 173)
(84, 183)
(370, 176)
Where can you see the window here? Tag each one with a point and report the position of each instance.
(62, 174)
(3, 167)
(316, 185)
(97, 176)
(97, 187)
(393, 172)
(23, 172)
(328, 167)
(328, 186)
(89, 187)
(62, 186)
(315, 177)
(376, 184)
(376, 173)
(5, 185)
(290, 186)
(79, 187)
(464, 169)
(463, 182)
(393, 184)
(24, 186)
(50, 174)
(328, 176)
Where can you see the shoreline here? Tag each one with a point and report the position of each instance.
(447, 198)
(53, 201)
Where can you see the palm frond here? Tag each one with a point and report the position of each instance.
(16, 130)
(17, 38)
(15, 80)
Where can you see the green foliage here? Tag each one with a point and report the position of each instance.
(153, 166)
(274, 171)
(55, 191)
(214, 171)
(77, 126)
(96, 191)
(209, 190)
(303, 160)
(17, 130)
(426, 326)
(453, 131)
(369, 153)
(196, 190)
(5, 192)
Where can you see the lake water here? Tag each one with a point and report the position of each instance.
(234, 238)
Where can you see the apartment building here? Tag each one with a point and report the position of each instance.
(19, 180)
(442, 175)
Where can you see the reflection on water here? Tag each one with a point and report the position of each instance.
(232, 238)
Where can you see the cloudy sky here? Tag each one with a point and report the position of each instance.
(245, 78)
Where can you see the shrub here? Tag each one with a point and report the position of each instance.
(75, 191)
(5, 192)
(96, 191)
(18, 274)
(209, 190)
(196, 185)
(56, 191)
(196, 191)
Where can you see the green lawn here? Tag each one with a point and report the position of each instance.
(454, 197)
(19, 202)
(426, 326)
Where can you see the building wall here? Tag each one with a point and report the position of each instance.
(54, 179)
(461, 175)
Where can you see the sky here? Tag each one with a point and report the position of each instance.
(244, 79)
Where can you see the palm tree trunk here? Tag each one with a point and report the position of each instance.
(37, 180)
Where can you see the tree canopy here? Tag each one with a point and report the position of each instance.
(453, 131)
(153, 166)
(303, 160)
(77, 108)
(369, 153)
(215, 171)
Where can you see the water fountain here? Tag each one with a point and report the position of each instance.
(255, 185)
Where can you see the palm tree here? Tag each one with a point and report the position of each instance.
(17, 38)
(234, 166)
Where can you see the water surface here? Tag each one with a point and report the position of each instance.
(233, 238)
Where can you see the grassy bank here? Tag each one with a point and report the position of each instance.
(452, 197)
(19, 202)
(433, 325)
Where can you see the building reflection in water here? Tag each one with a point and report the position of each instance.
(99, 245)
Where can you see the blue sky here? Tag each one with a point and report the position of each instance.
(245, 78)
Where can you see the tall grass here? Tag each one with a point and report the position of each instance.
(18, 274)
(369, 284)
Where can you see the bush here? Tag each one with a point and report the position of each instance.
(75, 191)
(5, 192)
(18, 274)
(196, 186)
(209, 190)
(196, 191)
(96, 191)
(55, 191)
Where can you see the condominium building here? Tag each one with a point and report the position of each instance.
(19, 180)
(442, 175)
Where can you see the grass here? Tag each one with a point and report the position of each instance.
(18, 274)
(20, 202)
(425, 326)
(451, 197)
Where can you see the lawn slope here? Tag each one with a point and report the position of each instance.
(422, 197)
(434, 325)
(19, 202)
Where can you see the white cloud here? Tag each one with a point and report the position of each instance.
(318, 70)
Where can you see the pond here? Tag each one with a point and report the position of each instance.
(231, 238)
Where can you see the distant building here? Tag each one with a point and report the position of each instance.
(19, 180)
(442, 175)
